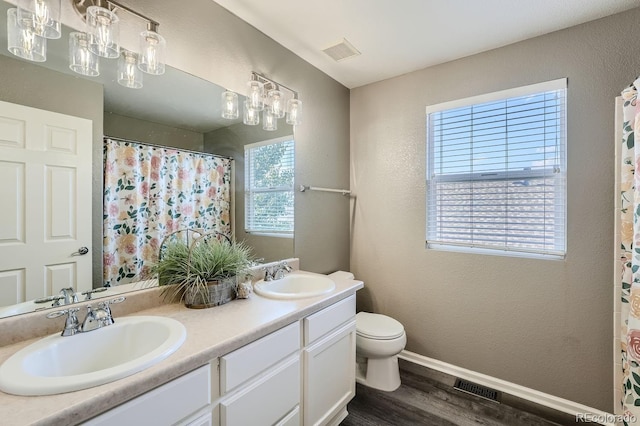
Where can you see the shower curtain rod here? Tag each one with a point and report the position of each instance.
(304, 188)
(167, 147)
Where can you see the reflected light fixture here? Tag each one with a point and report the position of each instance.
(103, 28)
(23, 41)
(129, 75)
(266, 95)
(81, 59)
(251, 117)
(269, 120)
(42, 16)
(230, 105)
(152, 47)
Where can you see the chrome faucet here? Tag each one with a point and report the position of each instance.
(69, 295)
(276, 271)
(65, 297)
(95, 318)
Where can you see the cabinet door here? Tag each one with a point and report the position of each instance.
(329, 375)
(265, 401)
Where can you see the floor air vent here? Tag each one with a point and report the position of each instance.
(476, 389)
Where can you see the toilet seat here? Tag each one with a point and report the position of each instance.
(377, 326)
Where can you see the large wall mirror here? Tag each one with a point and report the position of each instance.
(173, 110)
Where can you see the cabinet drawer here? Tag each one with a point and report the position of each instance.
(166, 405)
(321, 323)
(254, 358)
(267, 400)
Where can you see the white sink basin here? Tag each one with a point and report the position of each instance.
(296, 285)
(57, 364)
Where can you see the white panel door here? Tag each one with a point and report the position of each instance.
(45, 191)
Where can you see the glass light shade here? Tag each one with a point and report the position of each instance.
(276, 103)
(42, 16)
(103, 27)
(255, 94)
(23, 42)
(152, 47)
(129, 75)
(294, 111)
(229, 105)
(81, 59)
(269, 120)
(250, 117)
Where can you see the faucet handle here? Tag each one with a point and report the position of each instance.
(71, 324)
(103, 307)
(89, 293)
(284, 265)
(268, 273)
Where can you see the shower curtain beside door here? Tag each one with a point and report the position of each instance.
(150, 192)
(630, 252)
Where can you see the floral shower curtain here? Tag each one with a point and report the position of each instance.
(630, 252)
(150, 192)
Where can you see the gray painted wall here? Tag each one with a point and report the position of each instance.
(230, 141)
(544, 324)
(120, 126)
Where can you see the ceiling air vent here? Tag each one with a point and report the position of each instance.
(342, 51)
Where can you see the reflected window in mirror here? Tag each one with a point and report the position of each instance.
(269, 188)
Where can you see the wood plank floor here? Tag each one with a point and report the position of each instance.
(424, 400)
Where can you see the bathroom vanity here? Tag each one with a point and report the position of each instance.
(254, 361)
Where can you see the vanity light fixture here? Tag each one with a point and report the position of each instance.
(266, 95)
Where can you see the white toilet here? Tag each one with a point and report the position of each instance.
(379, 340)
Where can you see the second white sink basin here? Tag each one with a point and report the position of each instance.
(57, 364)
(296, 285)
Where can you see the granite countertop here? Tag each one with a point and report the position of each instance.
(211, 333)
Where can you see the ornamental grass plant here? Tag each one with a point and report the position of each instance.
(188, 271)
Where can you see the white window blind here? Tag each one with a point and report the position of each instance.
(496, 171)
(269, 194)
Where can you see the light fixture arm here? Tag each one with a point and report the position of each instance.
(81, 7)
(266, 80)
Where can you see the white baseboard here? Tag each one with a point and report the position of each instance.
(528, 394)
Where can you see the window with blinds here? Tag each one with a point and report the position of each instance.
(269, 172)
(496, 172)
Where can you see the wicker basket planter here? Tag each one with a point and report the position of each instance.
(217, 293)
(201, 269)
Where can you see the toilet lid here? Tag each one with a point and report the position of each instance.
(376, 326)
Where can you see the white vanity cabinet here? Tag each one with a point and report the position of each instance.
(293, 376)
(260, 382)
(329, 363)
(183, 401)
(301, 374)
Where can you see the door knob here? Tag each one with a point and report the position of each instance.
(81, 252)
